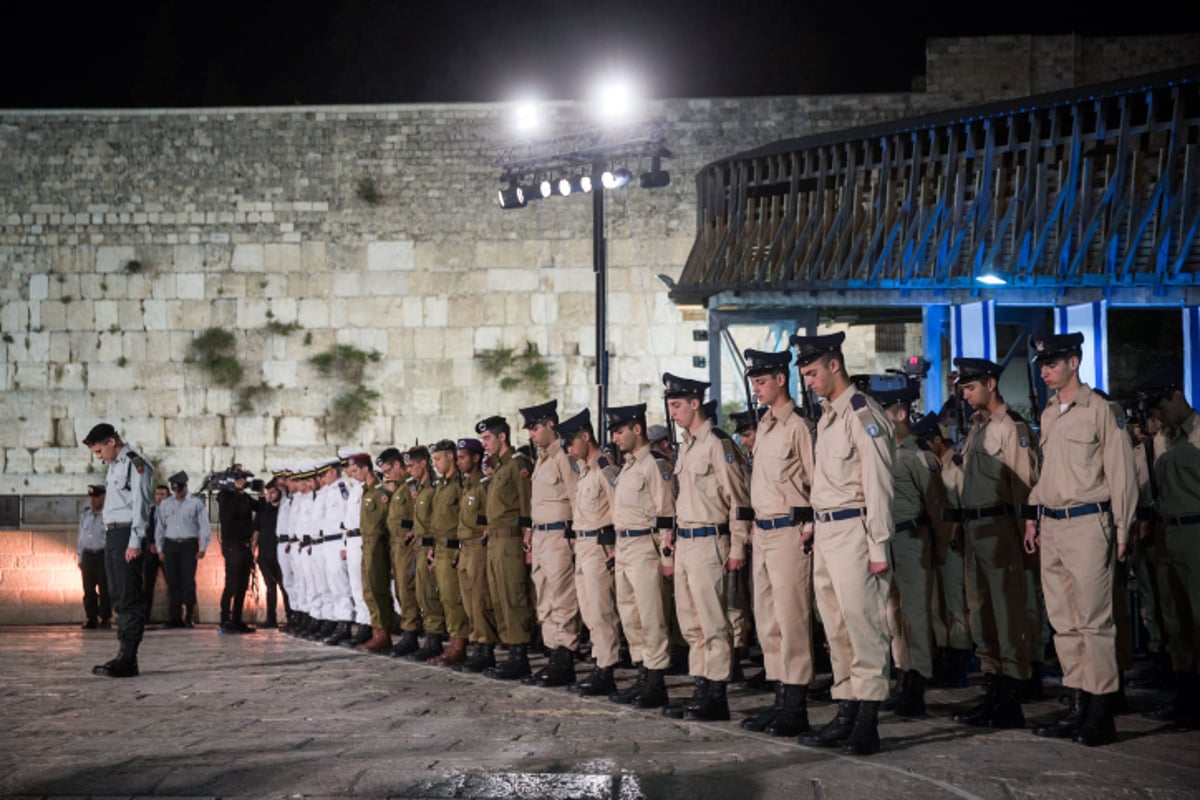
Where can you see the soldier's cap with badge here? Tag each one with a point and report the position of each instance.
(674, 386)
(620, 416)
(762, 363)
(891, 397)
(1158, 387)
(470, 445)
(444, 446)
(1060, 345)
(926, 426)
(657, 433)
(535, 415)
(417, 453)
(179, 478)
(97, 490)
(569, 428)
(326, 464)
(748, 420)
(975, 369)
(810, 348)
(492, 423)
(388, 456)
(99, 433)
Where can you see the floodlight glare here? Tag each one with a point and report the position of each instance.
(615, 100)
(546, 188)
(564, 186)
(991, 279)
(585, 183)
(615, 179)
(527, 116)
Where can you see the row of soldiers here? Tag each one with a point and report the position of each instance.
(907, 546)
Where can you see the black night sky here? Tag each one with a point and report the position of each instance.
(143, 54)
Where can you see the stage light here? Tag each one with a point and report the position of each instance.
(615, 179)
(656, 178)
(531, 192)
(564, 186)
(991, 279)
(615, 99)
(546, 188)
(512, 196)
(527, 116)
(585, 183)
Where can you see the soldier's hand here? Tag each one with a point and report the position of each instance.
(429, 561)
(153, 549)
(200, 554)
(806, 537)
(343, 554)
(734, 564)
(877, 568)
(1121, 552)
(132, 552)
(1144, 529)
(1031, 537)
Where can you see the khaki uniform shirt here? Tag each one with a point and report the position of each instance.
(999, 462)
(443, 519)
(783, 458)
(508, 494)
(401, 508)
(1087, 458)
(554, 480)
(1177, 471)
(594, 493)
(644, 496)
(713, 485)
(952, 477)
(852, 467)
(471, 506)
(372, 515)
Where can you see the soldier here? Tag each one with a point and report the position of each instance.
(300, 519)
(129, 491)
(780, 486)
(554, 479)
(852, 507)
(1177, 479)
(313, 516)
(89, 556)
(332, 498)
(266, 537)
(1087, 495)
(443, 524)
(182, 534)
(357, 466)
(595, 550)
(403, 547)
(999, 467)
(643, 516)
(508, 520)
(472, 557)
(918, 499)
(432, 613)
(376, 572)
(286, 545)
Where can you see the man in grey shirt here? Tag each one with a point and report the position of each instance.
(89, 555)
(181, 533)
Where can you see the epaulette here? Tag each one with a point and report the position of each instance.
(139, 463)
(858, 401)
(517, 454)
(657, 455)
(602, 462)
(664, 466)
(866, 416)
(732, 452)
(484, 479)
(721, 434)
(1015, 417)
(800, 412)
(956, 459)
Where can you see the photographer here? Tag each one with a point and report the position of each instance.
(236, 514)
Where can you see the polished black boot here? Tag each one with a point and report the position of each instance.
(433, 646)
(864, 739)
(759, 722)
(792, 719)
(654, 695)
(514, 667)
(911, 702)
(123, 666)
(408, 643)
(1007, 712)
(897, 690)
(979, 713)
(678, 710)
(363, 635)
(341, 633)
(483, 657)
(629, 693)
(560, 671)
(837, 730)
(599, 683)
(713, 706)
(1033, 690)
(1068, 725)
(1098, 727)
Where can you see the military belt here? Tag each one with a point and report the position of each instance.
(354, 534)
(839, 514)
(595, 533)
(774, 523)
(986, 512)
(316, 540)
(636, 532)
(333, 537)
(116, 526)
(451, 544)
(1190, 519)
(551, 526)
(702, 533)
(93, 552)
(428, 541)
(910, 524)
(1076, 511)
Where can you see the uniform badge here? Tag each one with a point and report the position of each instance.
(933, 467)
(666, 476)
(1121, 423)
(575, 468)
(383, 498)
(524, 473)
(345, 491)
(1023, 441)
(872, 430)
(729, 458)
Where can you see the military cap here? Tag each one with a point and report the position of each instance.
(1060, 345)
(568, 428)
(1159, 386)
(99, 433)
(973, 369)
(926, 426)
(891, 397)
(97, 490)
(471, 445)
(388, 456)
(444, 446)
(747, 420)
(810, 348)
(760, 363)
(674, 386)
(358, 459)
(657, 433)
(710, 410)
(537, 414)
(619, 416)
(490, 424)
(416, 453)
(179, 477)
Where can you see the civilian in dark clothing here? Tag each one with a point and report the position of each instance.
(236, 512)
(265, 518)
(152, 562)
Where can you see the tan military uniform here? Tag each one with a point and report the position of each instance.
(508, 497)
(427, 593)
(472, 561)
(1087, 459)
(713, 485)
(554, 481)
(403, 547)
(594, 584)
(951, 627)
(443, 525)
(783, 593)
(643, 507)
(852, 472)
(998, 470)
(376, 571)
(918, 499)
(1177, 474)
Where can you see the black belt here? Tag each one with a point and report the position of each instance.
(113, 526)
(1076, 511)
(428, 541)
(595, 533)
(637, 532)
(986, 512)
(700, 533)
(774, 523)
(316, 540)
(910, 524)
(840, 514)
(551, 526)
(354, 534)
(333, 537)
(451, 544)
(1190, 519)
(93, 552)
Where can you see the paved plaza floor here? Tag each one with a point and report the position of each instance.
(267, 715)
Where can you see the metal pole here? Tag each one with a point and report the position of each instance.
(599, 266)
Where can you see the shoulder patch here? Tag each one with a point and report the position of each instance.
(1121, 422)
(872, 429)
(602, 462)
(574, 468)
(524, 473)
(345, 491)
(1023, 441)
(858, 401)
(383, 497)
(956, 459)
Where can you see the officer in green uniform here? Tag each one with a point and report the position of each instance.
(472, 557)
(402, 547)
(443, 525)
(376, 570)
(419, 469)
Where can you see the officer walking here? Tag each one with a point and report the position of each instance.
(182, 532)
(89, 556)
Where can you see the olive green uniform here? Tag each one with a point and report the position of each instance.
(443, 523)
(426, 585)
(508, 497)
(375, 567)
(1177, 474)
(472, 560)
(402, 545)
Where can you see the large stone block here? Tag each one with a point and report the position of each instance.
(512, 280)
(300, 432)
(162, 287)
(205, 431)
(114, 259)
(106, 314)
(278, 257)
(253, 431)
(247, 258)
(390, 256)
(53, 315)
(146, 434)
(188, 258)
(154, 315)
(30, 375)
(39, 287)
(279, 373)
(189, 286)
(163, 402)
(68, 376)
(429, 342)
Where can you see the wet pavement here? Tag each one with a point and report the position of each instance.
(267, 715)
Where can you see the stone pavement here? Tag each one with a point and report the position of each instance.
(270, 716)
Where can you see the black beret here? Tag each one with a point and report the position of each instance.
(891, 397)
(388, 456)
(490, 424)
(926, 426)
(179, 477)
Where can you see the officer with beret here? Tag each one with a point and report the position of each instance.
(182, 533)
(852, 508)
(376, 569)
(780, 488)
(443, 525)
(417, 460)
(508, 520)
(1087, 494)
(89, 556)
(473, 557)
(552, 547)
(643, 515)
(999, 467)
(403, 548)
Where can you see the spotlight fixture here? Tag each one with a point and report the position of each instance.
(585, 183)
(531, 192)
(991, 279)
(565, 187)
(656, 178)
(512, 196)
(615, 179)
(546, 188)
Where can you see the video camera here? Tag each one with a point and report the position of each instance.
(226, 480)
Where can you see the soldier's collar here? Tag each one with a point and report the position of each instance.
(642, 453)
(842, 402)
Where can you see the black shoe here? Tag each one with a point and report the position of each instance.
(1098, 727)
(242, 627)
(837, 730)
(561, 669)
(341, 633)
(599, 683)
(979, 713)
(327, 629)
(759, 722)
(90, 625)
(433, 645)
(483, 657)
(1007, 712)
(534, 678)
(864, 739)
(361, 636)
(1068, 725)
(1158, 676)
(409, 643)
(680, 709)
(713, 707)
(897, 690)
(123, 666)
(270, 623)
(1032, 689)
(911, 702)
(629, 693)
(792, 717)
(515, 667)
(654, 694)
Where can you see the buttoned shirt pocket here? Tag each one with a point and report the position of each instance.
(841, 460)
(776, 462)
(703, 475)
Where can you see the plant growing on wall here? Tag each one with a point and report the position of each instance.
(352, 407)
(527, 369)
(213, 351)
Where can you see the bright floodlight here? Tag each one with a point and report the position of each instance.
(546, 188)
(527, 116)
(991, 279)
(585, 183)
(615, 100)
(564, 186)
(615, 179)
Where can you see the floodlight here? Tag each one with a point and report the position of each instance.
(656, 178)
(615, 179)
(615, 99)
(991, 279)
(527, 116)
(512, 196)
(585, 183)
(564, 186)
(546, 188)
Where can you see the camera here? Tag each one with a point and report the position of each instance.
(226, 480)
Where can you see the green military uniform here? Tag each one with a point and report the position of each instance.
(508, 498)
(472, 560)
(443, 524)
(426, 586)
(375, 567)
(403, 547)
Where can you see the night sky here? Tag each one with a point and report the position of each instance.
(141, 54)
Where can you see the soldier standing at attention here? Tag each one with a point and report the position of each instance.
(554, 479)
(508, 498)
(425, 483)
(402, 546)
(182, 530)
(643, 516)
(89, 555)
(129, 493)
(1088, 498)
(472, 558)
(852, 506)
(443, 524)
(595, 550)
(376, 573)
(780, 486)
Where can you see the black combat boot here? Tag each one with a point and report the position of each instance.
(629, 693)
(979, 713)
(759, 722)
(432, 646)
(911, 702)
(678, 710)
(894, 696)
(864, 739)
(341, 633)
(483, 656)
(1068, 725)
(837, 730)
(654, 695)
(1098, 727)
(123, 666)
(516, 666)
(364, 634)
(408, 643)
(713, 707)
(956, 674)
(561, 669)
(1033, 690)
(599, 683)
(792, 719)
(1007, 712)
